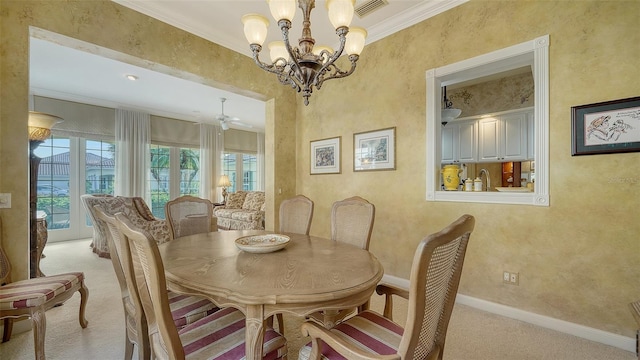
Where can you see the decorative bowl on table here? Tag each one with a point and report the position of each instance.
(261, 244)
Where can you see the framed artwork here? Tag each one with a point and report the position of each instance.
(606, 127)
(325, 156)
(375, 150)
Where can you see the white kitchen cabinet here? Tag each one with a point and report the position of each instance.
(503, 138)
(531, 143)
(459, 143)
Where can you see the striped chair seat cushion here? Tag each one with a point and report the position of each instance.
(187, 309)
(221, 335)
(37, 291)
(368, 330)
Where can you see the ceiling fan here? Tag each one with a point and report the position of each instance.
(225, 119)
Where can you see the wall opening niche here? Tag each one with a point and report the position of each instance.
(533, 57)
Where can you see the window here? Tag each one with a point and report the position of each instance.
(189, 172)
(169, 181)
(99, 167)
(70, 167)
(239, 163)
(53, 182)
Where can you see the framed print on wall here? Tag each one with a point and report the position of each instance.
(606, 127)
(375, 150)
(325, 156)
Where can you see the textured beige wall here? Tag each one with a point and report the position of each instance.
(579, 259)
(508, 93)
(130, 36)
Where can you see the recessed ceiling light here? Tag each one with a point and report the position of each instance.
(131, 77)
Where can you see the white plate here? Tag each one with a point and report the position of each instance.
(513, 189)
(261, 244)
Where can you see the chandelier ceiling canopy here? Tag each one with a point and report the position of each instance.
(307, 65)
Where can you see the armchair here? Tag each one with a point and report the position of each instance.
(435, 275)
(185, 309)
(133, 207)
(220, 335)
(33, 297)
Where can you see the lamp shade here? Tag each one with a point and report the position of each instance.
(355, 40)
(40, 125)
(340, 12)
(277, 51)
(450, 114)
(282, 9)
(255, 28)
(224, 181)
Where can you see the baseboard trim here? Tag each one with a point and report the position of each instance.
(581, 331)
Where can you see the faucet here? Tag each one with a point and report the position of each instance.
(486, 172)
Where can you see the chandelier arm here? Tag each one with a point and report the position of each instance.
(255, 49)
(342, 34)
(337, 74)
(285, 25)
(282, 76)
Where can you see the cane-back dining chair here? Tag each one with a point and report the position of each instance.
(220, 335)
(295, 217)
(188, 215)
(435, 275)
(33, 297)
(296, 214)
(185, 309)
(352, 223)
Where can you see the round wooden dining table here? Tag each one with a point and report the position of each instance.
(308, 275)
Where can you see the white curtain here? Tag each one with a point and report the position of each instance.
(133, 131)
(211, 145)
(260, 159)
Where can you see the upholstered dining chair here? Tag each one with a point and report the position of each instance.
(352, 223)
(220, 335)
(33, 297)
(435, 275)
(185, 309)
(188, 215)
(296, 214)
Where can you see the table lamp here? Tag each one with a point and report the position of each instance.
(40, 125)
(224, 183)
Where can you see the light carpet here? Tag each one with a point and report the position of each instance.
(473, 334)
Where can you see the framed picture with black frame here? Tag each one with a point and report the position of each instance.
(605, 128)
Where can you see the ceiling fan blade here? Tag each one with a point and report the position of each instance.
(240, 123)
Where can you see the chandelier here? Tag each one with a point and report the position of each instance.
(306, 66)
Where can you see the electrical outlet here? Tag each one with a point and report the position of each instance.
(5, 200)
(511, 278)
(514, 279)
